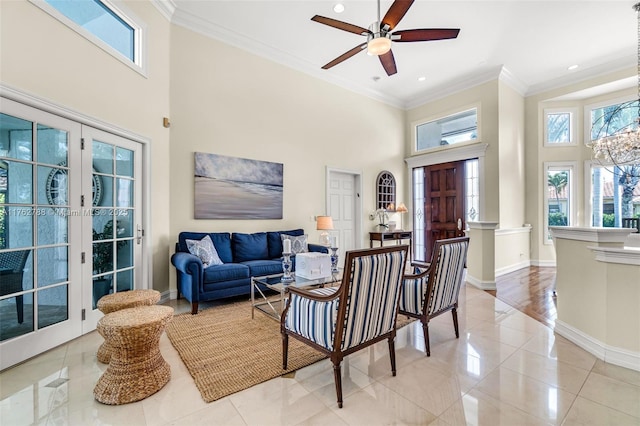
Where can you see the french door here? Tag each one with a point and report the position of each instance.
(69, 215)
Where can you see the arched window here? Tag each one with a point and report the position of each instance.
(385, 190)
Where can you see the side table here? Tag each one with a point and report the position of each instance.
(123, 300)
(397, 236)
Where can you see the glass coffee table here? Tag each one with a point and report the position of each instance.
(273, 304)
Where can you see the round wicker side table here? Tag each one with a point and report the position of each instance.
(123, 300)
(137, 368)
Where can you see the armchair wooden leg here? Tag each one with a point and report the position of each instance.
(454, 312)
(194, 308)
(285, 350)
(392, 355)
(425, 330)
(338, 379)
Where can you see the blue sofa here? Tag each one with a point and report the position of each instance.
(243, 256)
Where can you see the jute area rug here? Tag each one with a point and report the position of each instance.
(226, 351)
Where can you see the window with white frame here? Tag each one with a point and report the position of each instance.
(615, 190)
(558, 201)
(452, 129)
(560, 127)
(614, 194)
(104, 24)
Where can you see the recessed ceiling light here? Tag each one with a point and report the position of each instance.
(422, 78)
(572, 67)
(338, 8)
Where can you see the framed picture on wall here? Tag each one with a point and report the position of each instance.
(237, 188)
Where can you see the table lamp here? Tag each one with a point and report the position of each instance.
(401, 209)
(324, 223)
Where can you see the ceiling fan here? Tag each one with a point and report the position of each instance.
(379, 35)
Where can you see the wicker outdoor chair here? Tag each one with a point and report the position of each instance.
(11, 270)
(341, 320)
(435, 290)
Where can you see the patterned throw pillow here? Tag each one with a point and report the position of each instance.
(298, 244)
(205, 250)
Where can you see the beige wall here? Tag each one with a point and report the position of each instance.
(43, 57)
(227, 101)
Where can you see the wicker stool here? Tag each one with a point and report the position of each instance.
(136, 369)
(123, 300)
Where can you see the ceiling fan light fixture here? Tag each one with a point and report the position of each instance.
(378, 46)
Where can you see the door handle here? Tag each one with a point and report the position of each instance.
(459, 224)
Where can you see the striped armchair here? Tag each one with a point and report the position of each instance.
(360, 312)
(435, 289)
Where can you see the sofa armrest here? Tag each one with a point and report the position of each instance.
(317, 248)
(190, 274)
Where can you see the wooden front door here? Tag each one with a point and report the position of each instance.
(444, 203)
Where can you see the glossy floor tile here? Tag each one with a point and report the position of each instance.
(505, 369)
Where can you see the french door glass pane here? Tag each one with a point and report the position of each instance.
(19, 182)
(18, 142)
(103, 157)
(124, 162)
(53, 145)
(52, 305)
(52, 266)
(52, 225)
(125, 193)
(10, 326)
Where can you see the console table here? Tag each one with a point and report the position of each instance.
(397, 236)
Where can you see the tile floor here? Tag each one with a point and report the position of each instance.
(506, 369)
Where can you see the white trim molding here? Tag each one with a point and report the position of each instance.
(616, 255)
(610, 354)
(593, 235)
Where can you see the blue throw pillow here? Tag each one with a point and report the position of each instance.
(250, 246)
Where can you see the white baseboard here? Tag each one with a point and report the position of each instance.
(544, 263)
(610, 354)
(512, 268)
(482, 285)
(167, 295)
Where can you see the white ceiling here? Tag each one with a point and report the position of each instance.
(532, 43)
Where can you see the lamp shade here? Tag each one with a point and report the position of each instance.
(324, 222)
(401, 208)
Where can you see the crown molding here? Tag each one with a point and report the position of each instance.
(166, 8)
(456, 86)
(576, 77)
(512, 81)
(255, 47)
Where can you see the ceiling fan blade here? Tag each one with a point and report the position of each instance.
(425, 34)
(395, 13)
(344, 26)
(388, 63)
(345, 56)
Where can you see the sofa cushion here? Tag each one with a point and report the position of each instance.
(275, 241)
(259, 268)
(226, 272)
(205, 250)
(250, 246)
(221, 241)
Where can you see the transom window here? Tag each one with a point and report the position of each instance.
(456, 128)
(559, 127)
(101, 22)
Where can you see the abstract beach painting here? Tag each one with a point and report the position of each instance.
(237, 188)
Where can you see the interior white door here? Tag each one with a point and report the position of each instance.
(113, 253)
(342, 201)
